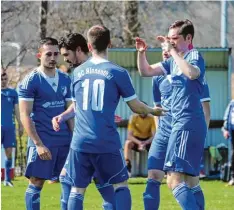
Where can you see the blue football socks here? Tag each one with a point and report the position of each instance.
(32, 197)
(185, 197)
(151, 195)
(199, 196)
(123, 198)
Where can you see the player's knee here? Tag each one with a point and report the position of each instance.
(174, 179)
(121, 184)
(78, 190)
(192, 181)
(36, 181)
(156, 175)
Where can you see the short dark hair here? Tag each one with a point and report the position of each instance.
(47, 41)
(99, 37)
(72, 41)
(186, 27)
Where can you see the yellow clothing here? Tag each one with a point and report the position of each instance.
(142, 127)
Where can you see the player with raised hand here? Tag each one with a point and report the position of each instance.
(186, 142)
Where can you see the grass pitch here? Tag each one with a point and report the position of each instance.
(217, 195)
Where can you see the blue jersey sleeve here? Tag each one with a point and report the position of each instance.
(206, 92)
(125, 87)
(165, 65)
(27, 89)
(197, 61)
(68, 96)
(156, 91)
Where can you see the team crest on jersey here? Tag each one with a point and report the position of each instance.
(9, 99)
(64, 90)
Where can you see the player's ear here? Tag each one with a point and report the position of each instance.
(90, 47)
(38, 55)
(189, 38)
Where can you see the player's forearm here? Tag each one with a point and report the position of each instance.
(31, 130)
(69, 113)
(187, 69)
(206, 110)
(143, 66)
(135, 140)
(141, 108)
(71, 124)
(149, 141)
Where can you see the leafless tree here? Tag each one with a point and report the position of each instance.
(131, 24)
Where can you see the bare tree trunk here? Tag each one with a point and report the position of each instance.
(43, 18)
(131, 23)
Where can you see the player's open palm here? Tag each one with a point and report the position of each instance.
(44, 152)
(165, 43)
(140, 44)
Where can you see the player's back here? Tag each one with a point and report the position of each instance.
(97, 87)
(9, 98)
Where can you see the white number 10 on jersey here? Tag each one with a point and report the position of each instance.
(97, 94)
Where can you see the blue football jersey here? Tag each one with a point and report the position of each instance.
(186, 107)
(98, 85)
(9, 98)
(162, 90)
(49, 100)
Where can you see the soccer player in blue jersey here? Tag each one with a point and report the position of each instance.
(73, 47)
(43, 94)
(97, 87)
(186, 142)
(9, 111)
(162, 97)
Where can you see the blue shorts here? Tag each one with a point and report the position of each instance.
(185, 150)
(109, 168)
(8, 137)
(46, 169)
(157, 152)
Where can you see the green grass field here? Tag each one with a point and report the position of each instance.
(218, 196)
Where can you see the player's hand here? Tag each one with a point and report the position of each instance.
(158, 111)
(44, 152)
(165, 43)
(141, 147)
(141, 45)
(226, 134)
(117, 119)
(21, 131)
(56, 121)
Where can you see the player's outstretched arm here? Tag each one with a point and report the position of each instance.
(66, 115)
(25, 108)
(140, 108)
(144, 68)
